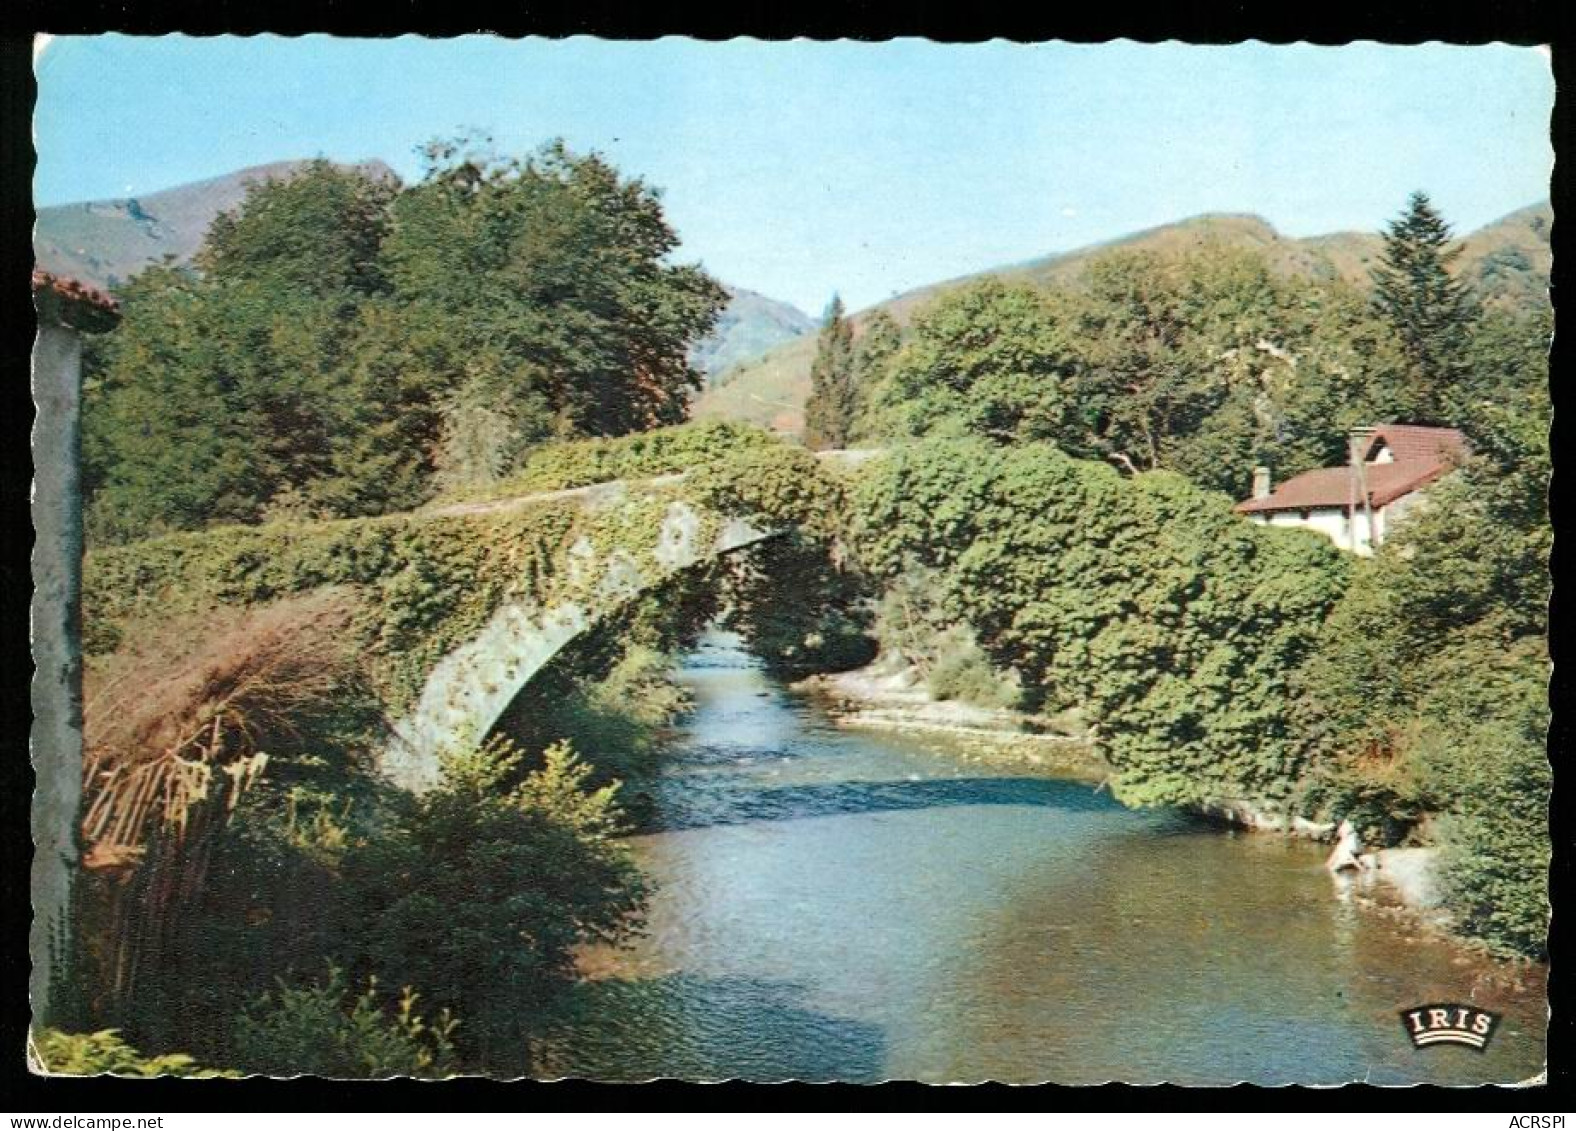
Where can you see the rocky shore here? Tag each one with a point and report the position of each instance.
(883, 696)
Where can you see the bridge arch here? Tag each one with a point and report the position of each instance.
(469, 689)
(461, 605)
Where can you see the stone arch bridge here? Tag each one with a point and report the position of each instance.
(462, 605)
(469, 689)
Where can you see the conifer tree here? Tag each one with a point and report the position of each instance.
(1431, 310)
(829, 413)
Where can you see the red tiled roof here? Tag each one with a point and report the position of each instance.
(1332, 486)
(1422, 455)
(70, 303)
(1414, 441)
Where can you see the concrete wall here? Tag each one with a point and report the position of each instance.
(56, 740)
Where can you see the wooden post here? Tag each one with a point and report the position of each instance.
(1357, 445)
(1351, 493)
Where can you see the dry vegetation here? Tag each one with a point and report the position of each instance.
(178, 724)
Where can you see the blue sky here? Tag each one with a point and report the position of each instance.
(801, 168)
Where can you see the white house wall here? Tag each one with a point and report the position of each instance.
(1331, 522)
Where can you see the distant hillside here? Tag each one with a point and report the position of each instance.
(106, 242)
(1507, 261)
(750, 325)
(1510, 259)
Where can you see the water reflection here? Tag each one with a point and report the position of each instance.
(709, 1029)
(697, 801)
(839, 905)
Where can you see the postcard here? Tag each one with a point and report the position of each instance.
(790, 560)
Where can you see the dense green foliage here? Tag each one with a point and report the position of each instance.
(1143, 601)
(347, 346)
(1428, 696)
(875, 346)
(321, 1029)
(553, 271)
(1431, 310)
(829, 413)
(101, 1052)
(1206, 363)
(988, 360)
(778, 484)
(437, 901)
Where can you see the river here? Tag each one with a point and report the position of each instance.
(835, 904)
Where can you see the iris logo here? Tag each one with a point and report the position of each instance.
(1450, 1024)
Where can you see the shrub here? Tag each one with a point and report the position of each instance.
(321, 1030)
(963, 672)
(480, 890)
(642, 455)
(1144, 601)
(1428, 694)
(104, 1052)
(1496, 857)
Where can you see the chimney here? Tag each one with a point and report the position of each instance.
(1360, 439)
(1261, 482)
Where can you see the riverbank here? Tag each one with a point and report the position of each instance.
(889, 697)
(893, 697)
(844, 902)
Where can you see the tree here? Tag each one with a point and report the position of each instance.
(345, 347)
(1142, 601)
(233, 389)
(877, 346)
(989, 359)
(319, 231)
(550, 276)
(829, 413)
(1431, 310)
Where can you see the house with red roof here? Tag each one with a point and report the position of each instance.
(1355, 505)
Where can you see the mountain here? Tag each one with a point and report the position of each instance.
(106, 242)
(757, 359)
(1507, 261)
(749, 326)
